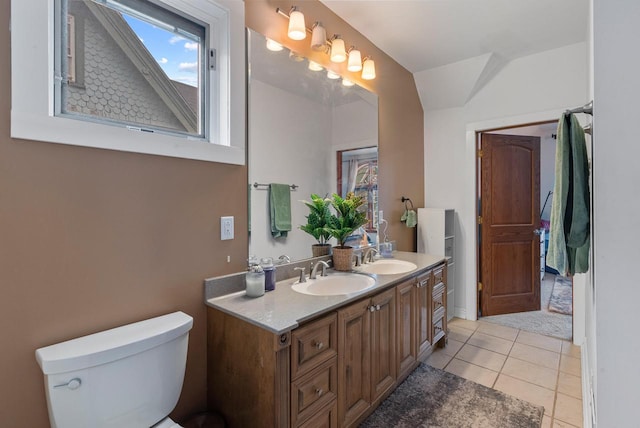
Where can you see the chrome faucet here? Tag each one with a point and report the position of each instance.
(302, 277)
(368, 255)
(314, 270)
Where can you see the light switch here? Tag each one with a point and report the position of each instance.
(226, 228)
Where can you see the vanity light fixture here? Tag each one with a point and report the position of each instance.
(355, 60)
(318, 37)
(297, 28)
(347, 82)
(314, 66)
(332, 75)
(335, 46)
(368, 69)
(338, 53)
(274, 46)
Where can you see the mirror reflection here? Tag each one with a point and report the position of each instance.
(310, 132)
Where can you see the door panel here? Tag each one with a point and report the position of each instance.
(510, 210)
(383, 341)
(407, 353)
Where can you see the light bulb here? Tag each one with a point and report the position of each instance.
(368, 69)
(355, 60)
(318, 37)
(314, 66)
(332, 75)
(274, 46)
(338, 54)
(347, 82)
(297, 29)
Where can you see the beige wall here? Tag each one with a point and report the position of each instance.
(91, 239)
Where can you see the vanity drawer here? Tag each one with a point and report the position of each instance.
(312, 344)
(438, 328)
(313, 391)
(438, 298)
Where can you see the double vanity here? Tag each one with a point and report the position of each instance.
(324, 352)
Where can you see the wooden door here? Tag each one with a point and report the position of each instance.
(383, 343)
(354, 351)
(423, 313)
(510, 219)
(407, 323)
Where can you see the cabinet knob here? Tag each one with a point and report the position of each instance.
(377, 307)
(372, 308)
(319, 345)
(319, 392)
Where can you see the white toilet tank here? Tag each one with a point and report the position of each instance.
(130, 376)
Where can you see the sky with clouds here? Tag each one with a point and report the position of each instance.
(176, 55)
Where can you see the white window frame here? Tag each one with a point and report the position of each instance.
(32, 87)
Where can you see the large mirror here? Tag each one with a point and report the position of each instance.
(308, 131)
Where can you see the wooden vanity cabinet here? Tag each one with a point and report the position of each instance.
(329, 372)
(366, 355)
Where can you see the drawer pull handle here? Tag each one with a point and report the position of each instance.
(319, 345)
(319, 392)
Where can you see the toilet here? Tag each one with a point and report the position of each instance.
(126, 377)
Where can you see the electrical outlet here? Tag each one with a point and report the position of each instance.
(226, 228)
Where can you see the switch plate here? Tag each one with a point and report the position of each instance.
(226, 228)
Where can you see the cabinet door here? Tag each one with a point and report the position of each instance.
(406, 294)
(354, 381)
(383, 343)
(423, 313)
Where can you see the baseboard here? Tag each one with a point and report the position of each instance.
(588, 398)
(460, 313)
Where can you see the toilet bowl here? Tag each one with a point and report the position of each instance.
(129, 376)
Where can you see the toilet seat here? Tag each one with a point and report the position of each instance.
(166, 423)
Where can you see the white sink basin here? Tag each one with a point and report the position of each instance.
(387, 267)
(335, 284)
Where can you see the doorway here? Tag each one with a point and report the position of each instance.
(515, 178)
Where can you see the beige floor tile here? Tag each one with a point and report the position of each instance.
(472, 372)
(482, 357)
(491, 343)
(546, 422)
(453, 346)
(570, 349)
(498, 330)
(534, 355)
(559, 424)
(458, 333)
(570, 385)
(570, 365)
(468, 324)
(540, 341)
(438, 359)
(531, 373)
(526, 391)
(568, 409)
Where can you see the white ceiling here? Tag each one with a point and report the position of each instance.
(423, 34)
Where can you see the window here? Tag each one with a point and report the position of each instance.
(163, 77)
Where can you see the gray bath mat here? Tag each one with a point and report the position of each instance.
(433, 398)
(562, 296)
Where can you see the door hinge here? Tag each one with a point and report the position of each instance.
(479, 219)
(479, 286)
(480, 153)
(212, 59)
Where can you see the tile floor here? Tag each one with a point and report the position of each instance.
(540, 369)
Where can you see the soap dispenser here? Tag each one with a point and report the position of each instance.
(269, 273)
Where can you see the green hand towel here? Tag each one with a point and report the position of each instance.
(412, 218)
(280, 209)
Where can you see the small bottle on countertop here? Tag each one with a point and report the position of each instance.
(255, 281)
(269, 273)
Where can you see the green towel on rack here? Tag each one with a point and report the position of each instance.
(280, 209)
(569, 240)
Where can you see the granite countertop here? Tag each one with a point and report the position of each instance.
(284, 309)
